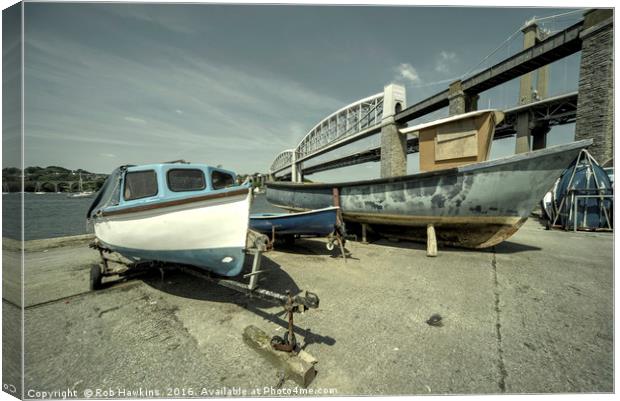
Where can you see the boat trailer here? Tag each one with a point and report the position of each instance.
(114, 264)
(338, 237)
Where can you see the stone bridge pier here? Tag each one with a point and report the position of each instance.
(595, 105)
(393, 143)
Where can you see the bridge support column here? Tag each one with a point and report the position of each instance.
(393, 143)
(595, 104)
(460, 102)
(393, 151)
(539, 136)
(530, 32)
(530, 135)
(296, 173)
(524, 133)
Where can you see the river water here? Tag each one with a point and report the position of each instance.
(55, 215)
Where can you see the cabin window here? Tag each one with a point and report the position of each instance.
(140, 184)
(221, 180)
(180, 180)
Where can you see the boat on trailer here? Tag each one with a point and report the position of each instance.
(191, 214)
(182, 216)
(323, 222)
(468, 201)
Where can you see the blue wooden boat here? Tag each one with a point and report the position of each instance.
(320, 222)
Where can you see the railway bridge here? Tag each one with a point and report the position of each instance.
(590, 108)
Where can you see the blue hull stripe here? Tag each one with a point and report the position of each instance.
(207, 259)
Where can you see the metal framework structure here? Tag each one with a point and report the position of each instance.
(349, 124)
(552, 111)
(282, 161)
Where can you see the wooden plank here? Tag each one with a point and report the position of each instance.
(300, 370)
(431, 241)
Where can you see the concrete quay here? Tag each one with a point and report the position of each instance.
(532, 315)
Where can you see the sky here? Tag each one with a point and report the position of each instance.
(113, 84)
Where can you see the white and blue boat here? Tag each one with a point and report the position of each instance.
(191, 214)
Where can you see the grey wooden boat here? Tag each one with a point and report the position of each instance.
(474, 206)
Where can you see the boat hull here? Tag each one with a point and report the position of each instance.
(474, 206)
(208, 233)
(320, 222)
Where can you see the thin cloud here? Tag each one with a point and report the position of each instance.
(174, 19)
(134, 120)
(445, 61)
(226, 111)
(407, 72)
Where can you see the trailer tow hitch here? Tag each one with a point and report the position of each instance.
(293, 305)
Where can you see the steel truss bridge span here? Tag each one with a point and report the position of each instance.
(557, 110)
(351, 123)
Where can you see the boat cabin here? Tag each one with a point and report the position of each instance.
(456, 141)
(133, 186)
(170, 181)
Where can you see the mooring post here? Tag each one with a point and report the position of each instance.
(431, 241)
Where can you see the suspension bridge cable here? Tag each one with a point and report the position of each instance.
(533, 20)
(493, 52)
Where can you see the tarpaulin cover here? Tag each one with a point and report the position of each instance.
(109, 194)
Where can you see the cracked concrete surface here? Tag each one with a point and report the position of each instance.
(532, 315)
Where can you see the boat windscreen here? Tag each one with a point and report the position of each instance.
(109, 194)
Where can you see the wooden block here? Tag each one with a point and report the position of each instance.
(295, 368)
(431, 241)
(307, 357)
(364, 238)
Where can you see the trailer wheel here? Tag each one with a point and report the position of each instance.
(289, 240)
(95, 277)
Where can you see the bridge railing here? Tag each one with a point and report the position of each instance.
(347, 121)
(283, 160)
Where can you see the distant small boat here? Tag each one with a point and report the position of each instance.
(40, 192)
(81, 193)
(85, 194)
(320, 222)
(191, 214)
